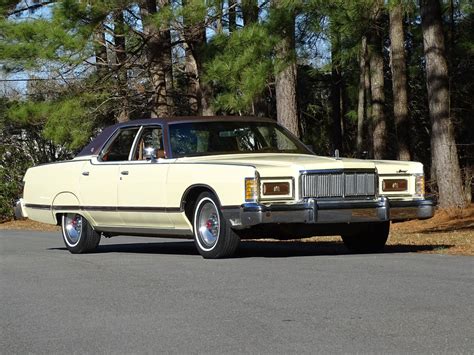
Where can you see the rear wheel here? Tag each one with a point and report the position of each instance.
(369, 238)
(212, 234)
(78, 235)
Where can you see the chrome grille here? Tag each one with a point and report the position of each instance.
(338, 184)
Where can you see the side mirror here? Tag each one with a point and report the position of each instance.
(150, 153)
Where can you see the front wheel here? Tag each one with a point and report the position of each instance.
(212, 234)
(78, 235)
(369, 238)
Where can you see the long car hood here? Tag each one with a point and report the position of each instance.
(272, 164)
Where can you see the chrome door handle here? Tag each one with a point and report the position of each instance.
(124, 172)
(85, 173)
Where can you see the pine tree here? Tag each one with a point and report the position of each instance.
(399, 80)
(377, 82)
(285, 77)
(444, 154)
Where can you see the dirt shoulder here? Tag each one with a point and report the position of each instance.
(28, 224)
(448, 232)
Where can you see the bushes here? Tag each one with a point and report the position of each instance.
(11, 173)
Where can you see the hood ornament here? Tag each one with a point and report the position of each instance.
(336, 154)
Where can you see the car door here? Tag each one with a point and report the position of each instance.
(142, 183)
(100, 176)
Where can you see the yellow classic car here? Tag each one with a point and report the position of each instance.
(219, 180)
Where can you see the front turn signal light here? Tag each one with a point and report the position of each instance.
(420, 185)
(251, 189)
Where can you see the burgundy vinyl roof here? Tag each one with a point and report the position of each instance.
(94, 147)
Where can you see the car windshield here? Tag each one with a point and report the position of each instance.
(210, 138)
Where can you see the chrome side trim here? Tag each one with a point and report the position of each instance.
(145, 231)
(57, 208)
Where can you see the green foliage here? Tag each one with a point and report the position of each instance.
(241, 68)
(12, 169)
(29, 44)
(194, 11)
(65, 121)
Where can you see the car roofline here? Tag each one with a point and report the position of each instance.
(189, 119)
(98, 142)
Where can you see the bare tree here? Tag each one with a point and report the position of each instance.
(444, 151)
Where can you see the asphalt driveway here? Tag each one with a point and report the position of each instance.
(139, 295)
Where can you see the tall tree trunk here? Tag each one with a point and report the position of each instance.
(444, 151)
(121, 67)
(232, 15)
(193, 86)
(399, 81)
(100, 46)
(199, 93)
(249, 11)
(361, 97)
(285, 79)
(336, 97)
(158, 49)
(219, 4)
(377, 84)
(168, 62)
(368, 107)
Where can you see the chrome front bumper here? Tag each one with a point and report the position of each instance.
(19, 210)
(313, 211)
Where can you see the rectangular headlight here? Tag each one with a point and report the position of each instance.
(393, 185)
(276, 188)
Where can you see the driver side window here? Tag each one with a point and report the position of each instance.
(119, 148)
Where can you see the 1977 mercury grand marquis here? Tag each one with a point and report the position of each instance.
(217, 180)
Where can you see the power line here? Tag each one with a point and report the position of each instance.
(39, 79)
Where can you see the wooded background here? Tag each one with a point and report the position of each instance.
(372, 78)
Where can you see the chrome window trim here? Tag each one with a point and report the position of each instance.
(135, 142)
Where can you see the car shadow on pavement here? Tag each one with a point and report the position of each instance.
(291, 249)
(250, 249)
